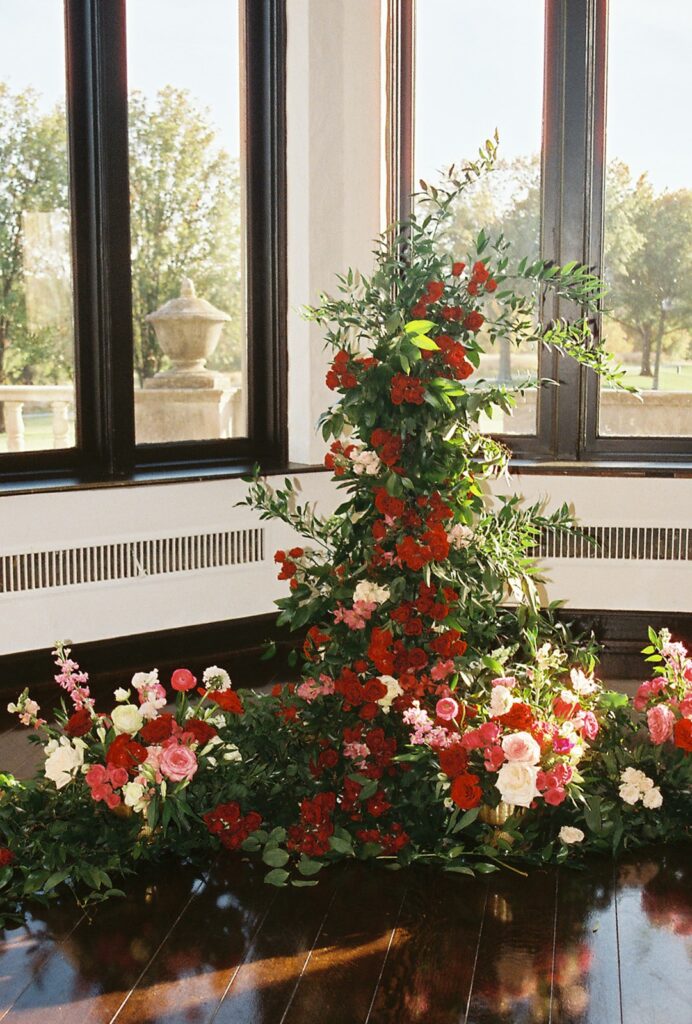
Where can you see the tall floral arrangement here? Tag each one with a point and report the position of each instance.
(434, 719)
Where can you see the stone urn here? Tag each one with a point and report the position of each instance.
(188, 330)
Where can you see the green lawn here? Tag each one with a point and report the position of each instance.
(671, 378)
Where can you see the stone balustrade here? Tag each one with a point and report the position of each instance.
(14, 397)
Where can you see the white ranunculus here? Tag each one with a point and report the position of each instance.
(630, 793)
(127, 718)
(501, 700)
(121, 695)
(145, 679)
(460, 536)
(569, 834)
(231, 753)
(370, 593)
(393, 691)
(652, 798)
(64, 760)
(516, 782)
(215, 678)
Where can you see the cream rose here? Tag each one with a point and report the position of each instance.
(370, 593)
(569, 834)
(501, 700)
(516, 782)
(393, 691)
(134, 796)
(64, 759)
(629, 792)
(521, 746)
(127, 718)
(652, 798)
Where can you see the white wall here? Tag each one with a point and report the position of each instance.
(334, 188)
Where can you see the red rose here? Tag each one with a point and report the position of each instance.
(202, 731)
(79, 723)
(6, 857)
(329, 758)
(158, 729)
(296, 552)
(434, 291)
(228, 700)
(682, 734)
(453, 760)
(465, 791)
(491, 285)
(474, 320)
(414, 627)
(458, 269)
(182, 680)
(480, 271)
(126, 753)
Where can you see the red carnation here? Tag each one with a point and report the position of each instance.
(227, 700)
(465, 791)
(201, 731)
(453, 760)
(158, 729)
(124, 752)
(79, 723)
(519, 718)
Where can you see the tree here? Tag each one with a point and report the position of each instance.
(648, 262)
(34, 180)
(184, 218)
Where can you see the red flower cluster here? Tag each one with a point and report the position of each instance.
(433, 293)
(339, 376)
(6, 857)
(453, 760)
(389, 505)
(454, 356)
(311, 836)
(158, 729)
(79, 723)
(474, 321)
(379, 650)
(391, 841)
(227, 700)
(288, 565)
(433, 546)
(388, 446)
(230, 826)
(452, 314)
(313, 641)
(124, 752)
(481, 279)
(405, 388)
(449, 644)
(337, 457)
(360, 695)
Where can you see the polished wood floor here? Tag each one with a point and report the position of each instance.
(612, 945)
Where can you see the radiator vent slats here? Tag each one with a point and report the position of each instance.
(122, 560)
(632, 543)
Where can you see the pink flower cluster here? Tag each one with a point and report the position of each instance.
(424, 729)
(311, 689)
(72, 679)
(356, 617)
(103, 782)
(552, 784)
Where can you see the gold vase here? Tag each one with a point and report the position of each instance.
(497, 815)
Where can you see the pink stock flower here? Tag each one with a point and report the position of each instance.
(357, 752)
(660, 720)
(178, 763)
(356, 617)
(447, 709)
(71, 679)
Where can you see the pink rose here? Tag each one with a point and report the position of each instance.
(587, 722)
(96, 776)
(447, 709)
(521, 746)
(118, 777)
(660, 720)
(178, 763)
(555, 795)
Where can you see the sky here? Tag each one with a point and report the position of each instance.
(480, 65)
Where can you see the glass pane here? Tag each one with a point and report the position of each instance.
(648, 218)
(185, 128)
(478, 67)
(36, 333)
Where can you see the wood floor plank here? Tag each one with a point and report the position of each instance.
(191, 971)
(514, 966)
(586, 982)
(654, 909)
(89, 975)
(342, 973)
(429, 971)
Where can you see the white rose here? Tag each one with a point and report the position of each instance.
(645, 783)
(370, 593)
(653, 798)
(629, 792)
(516, 782)
(121, 694)
(142, 679)
(133, 796)
(64, 760)
(393, 691)
(633, 777)
(460, 536)
(231, 753)
(568, 835)
(215, 678)
(127, 718)
(501, 700)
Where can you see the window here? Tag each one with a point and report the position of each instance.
(619, 200)
(141, 323)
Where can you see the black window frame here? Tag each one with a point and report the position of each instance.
(573, 161)
(97, 115)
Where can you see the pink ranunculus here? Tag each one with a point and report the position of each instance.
(660, 720)
(96, 776)
(493, 758)
(521, 746)
(587, 722)
(178, 763)
(447, 709)
(555, 795)
(182, 680)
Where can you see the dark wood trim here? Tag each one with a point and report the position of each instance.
(234, 644)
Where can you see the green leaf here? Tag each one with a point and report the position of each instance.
(276, 877)
(55, 879)
(419, 327)
(275, 857)
(426, 343)
(460, 869)
(467, 819)
(301, 883)
(341, 845)
(309, 867)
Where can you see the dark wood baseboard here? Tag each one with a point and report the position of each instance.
(236, 645)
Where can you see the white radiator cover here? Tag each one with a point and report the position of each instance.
(210, 582)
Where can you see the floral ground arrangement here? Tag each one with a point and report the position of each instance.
(441, 715)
